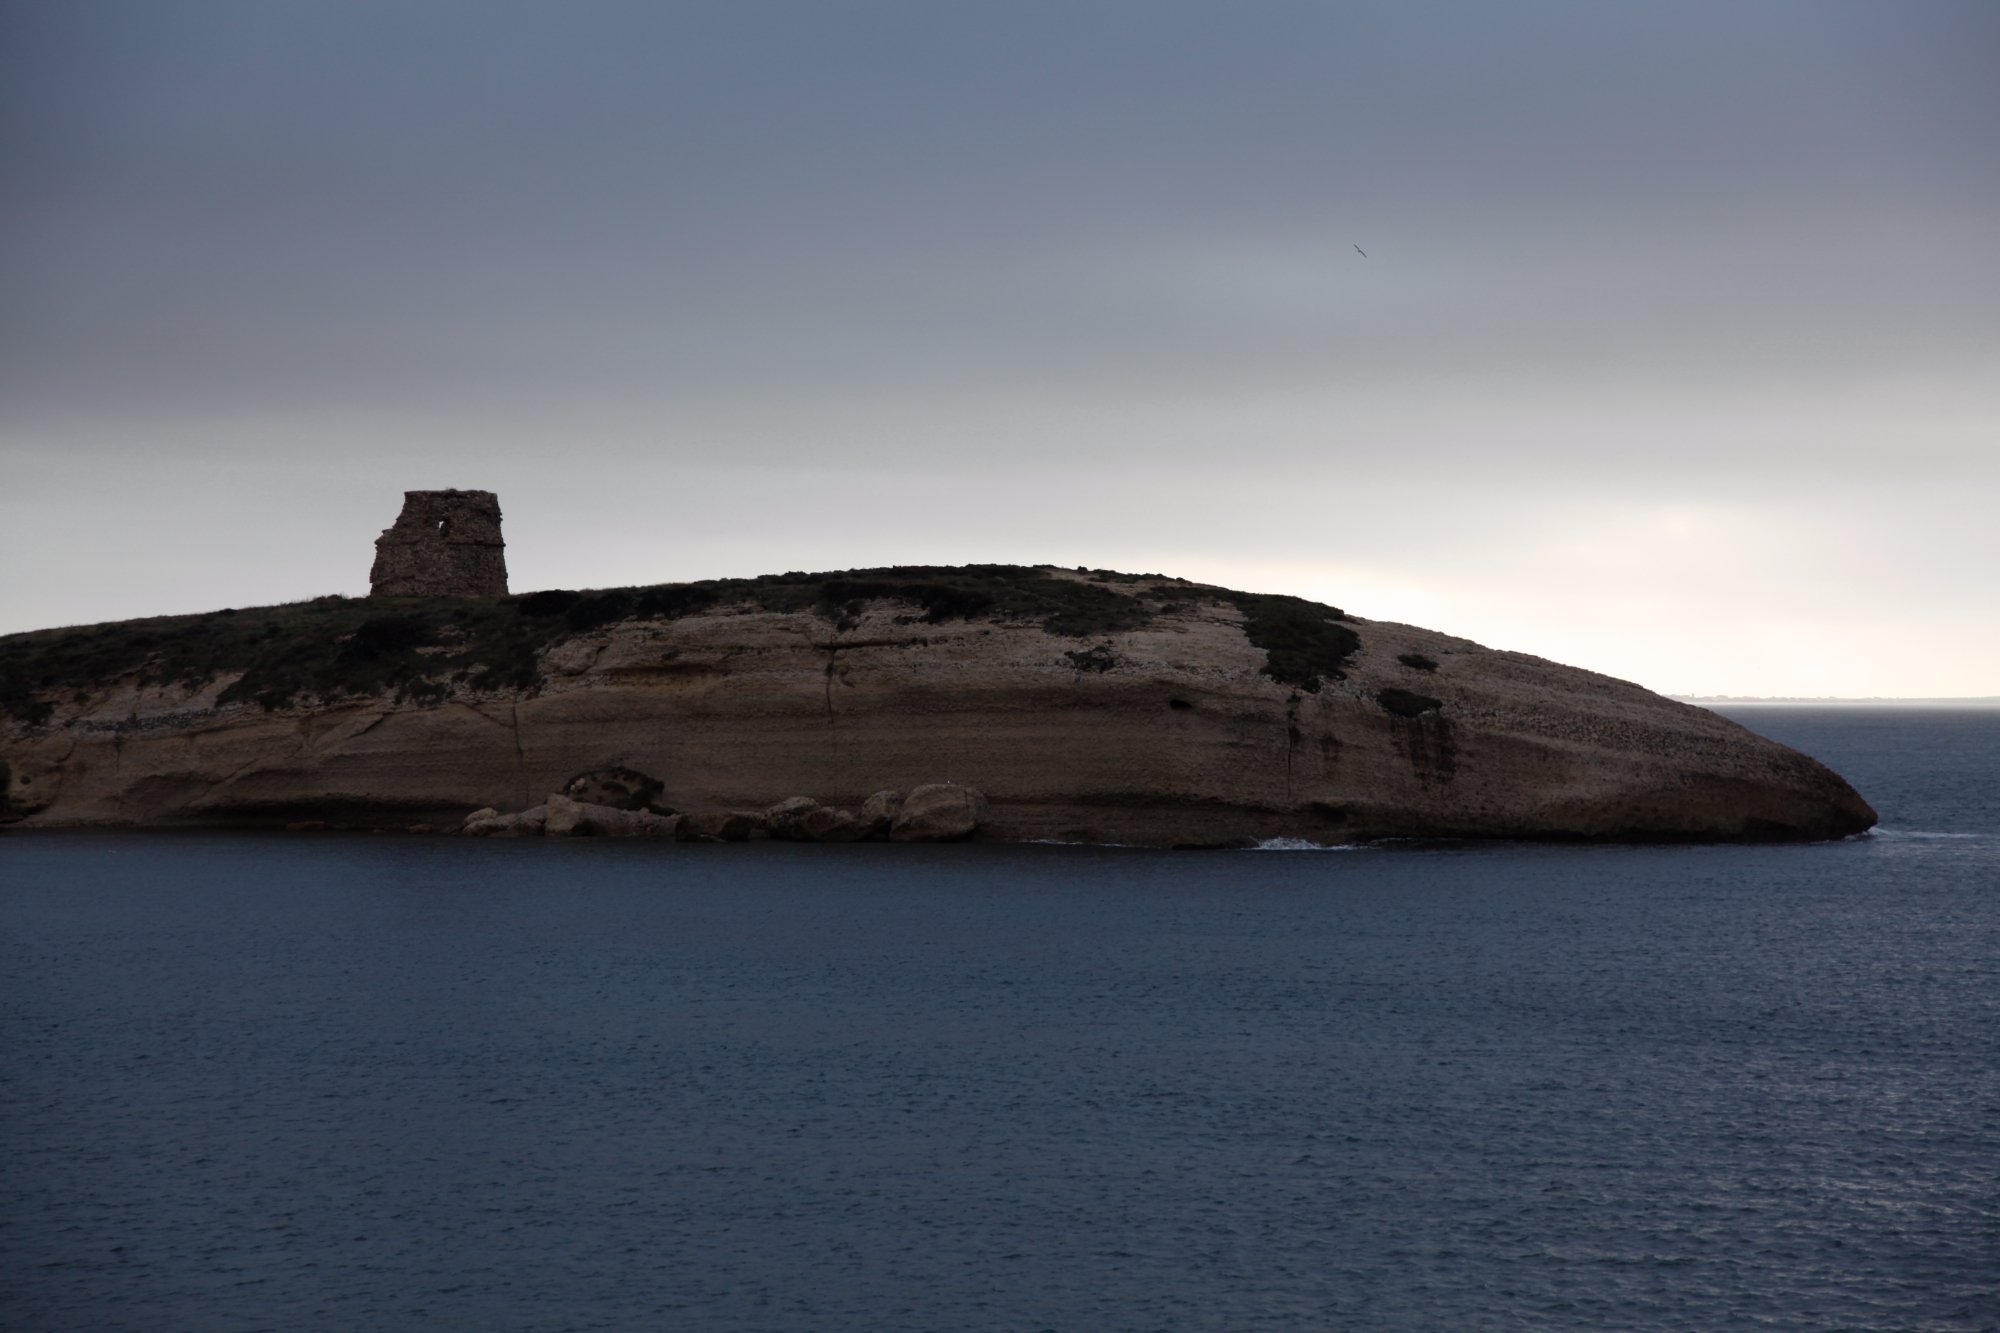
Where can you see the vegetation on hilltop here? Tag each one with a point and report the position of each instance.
(420, 648)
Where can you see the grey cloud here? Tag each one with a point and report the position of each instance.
(838, 256)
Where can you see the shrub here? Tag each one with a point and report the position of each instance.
(1099, 659)
(385, 637)
(674, 599)
(20, 701)
(588, 612)
(1303, 642)
(548, 602)
(1407, 703)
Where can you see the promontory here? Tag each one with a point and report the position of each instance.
(1067, 704)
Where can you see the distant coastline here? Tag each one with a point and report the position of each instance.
(1979, 701)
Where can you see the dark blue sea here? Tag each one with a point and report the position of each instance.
(357, 1082)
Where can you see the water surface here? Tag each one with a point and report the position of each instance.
(256, 1082)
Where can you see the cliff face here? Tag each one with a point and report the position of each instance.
(1171, 730)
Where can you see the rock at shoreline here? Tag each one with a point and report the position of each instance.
(938, 812)
(718, 826)
(566, 817)
(573, 819)
(802, 819)
(877, 813)
(526, 824)
(786, 819)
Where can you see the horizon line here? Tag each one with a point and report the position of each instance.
(1971, 700)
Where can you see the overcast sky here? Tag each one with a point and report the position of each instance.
(1675, 352)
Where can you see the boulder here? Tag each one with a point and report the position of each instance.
(718, 826)
(802, 819)
(824, 823)
(877, 813)
(484, 812)
(583, 819)
(938, 812)
(606, 822)
(526, 824)
(787, 819)
(566, 817)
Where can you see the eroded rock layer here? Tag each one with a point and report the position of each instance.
(1167, 726)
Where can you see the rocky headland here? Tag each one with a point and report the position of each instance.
(998, 702)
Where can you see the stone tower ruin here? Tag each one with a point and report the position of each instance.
(443, 544)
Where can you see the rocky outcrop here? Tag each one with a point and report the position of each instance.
(938, 812)
(1137, 710)
(581, 819)
(488, 823)
(719, 826)
(878, 812)
(802, 819)
(561, 817)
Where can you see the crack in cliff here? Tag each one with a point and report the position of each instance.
(479, 713)
(921, 642)
(1292, 738)
(220, 783)
(520, 755)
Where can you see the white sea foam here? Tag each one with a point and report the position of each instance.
(1897, 834)
(1302, 845)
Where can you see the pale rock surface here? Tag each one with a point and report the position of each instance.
(527, 823)
(610, 822)
(578, 819)
(938, 812)
(566, 817)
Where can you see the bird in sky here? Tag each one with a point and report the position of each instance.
(1359, 251)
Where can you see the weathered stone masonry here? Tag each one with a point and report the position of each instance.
(443, 544)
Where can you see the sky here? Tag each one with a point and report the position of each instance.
(1674, 351)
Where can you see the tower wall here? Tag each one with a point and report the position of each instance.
(443, 544)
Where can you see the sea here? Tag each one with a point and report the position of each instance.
(254, 1082)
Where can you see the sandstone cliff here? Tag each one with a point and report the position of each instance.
(1085, 706)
